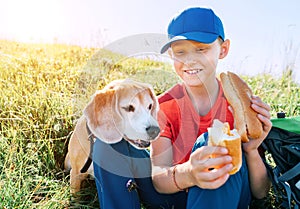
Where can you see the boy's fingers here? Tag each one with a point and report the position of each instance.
(267, 124)
(215, 178)
(261, 111)
(257, 101)
(207, 151)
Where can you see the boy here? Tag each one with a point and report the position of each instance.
(196, 43)
(123, 173)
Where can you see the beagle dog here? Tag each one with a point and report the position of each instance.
(124, 109)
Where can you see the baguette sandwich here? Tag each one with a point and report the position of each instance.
(221, 135)
(238, 94)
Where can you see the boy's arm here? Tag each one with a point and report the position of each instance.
(162, 159)
(259, 181)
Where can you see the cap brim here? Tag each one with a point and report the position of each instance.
(206, 38)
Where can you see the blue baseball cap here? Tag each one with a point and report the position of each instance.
(196, 24)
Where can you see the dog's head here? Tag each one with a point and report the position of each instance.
(124, 109)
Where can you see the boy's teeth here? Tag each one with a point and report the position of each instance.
(192, 71)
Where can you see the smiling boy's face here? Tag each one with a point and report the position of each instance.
(195, 63)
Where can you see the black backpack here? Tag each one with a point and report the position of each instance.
(284, 147)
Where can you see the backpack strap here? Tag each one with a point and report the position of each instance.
(290, 173)
(286, 177)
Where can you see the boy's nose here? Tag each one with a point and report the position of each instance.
(190, 61)
(192, 58)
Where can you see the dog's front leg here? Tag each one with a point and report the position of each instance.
(75, 180)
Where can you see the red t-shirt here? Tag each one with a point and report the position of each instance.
(180, 122)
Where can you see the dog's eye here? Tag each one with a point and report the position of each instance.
(129, 108)
(150, 106)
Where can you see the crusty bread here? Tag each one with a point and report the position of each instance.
(220, 135)
(238, 94)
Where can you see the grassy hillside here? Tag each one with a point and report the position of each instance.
(43, 89)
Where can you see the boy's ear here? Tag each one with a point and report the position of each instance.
(224, 49)
(170, 53)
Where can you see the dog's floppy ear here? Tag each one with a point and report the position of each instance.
(155, 107)
(102, 117)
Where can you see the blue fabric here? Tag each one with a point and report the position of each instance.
(115, 166)
(234, 194)
(206, 29)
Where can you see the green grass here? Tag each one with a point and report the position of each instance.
(43, 89)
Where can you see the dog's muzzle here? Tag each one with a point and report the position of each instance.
(152, 131)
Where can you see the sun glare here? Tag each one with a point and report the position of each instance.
(33, 20)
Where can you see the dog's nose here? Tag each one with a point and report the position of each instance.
(153, 131)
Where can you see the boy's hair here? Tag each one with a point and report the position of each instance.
(197, 24)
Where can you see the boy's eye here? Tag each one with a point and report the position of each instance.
(200, 49)
(178, 52)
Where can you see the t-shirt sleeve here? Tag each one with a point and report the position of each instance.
(164, 124)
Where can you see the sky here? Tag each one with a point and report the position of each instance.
(264, 34)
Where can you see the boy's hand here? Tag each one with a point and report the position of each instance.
(200, 164)
(263, 114)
